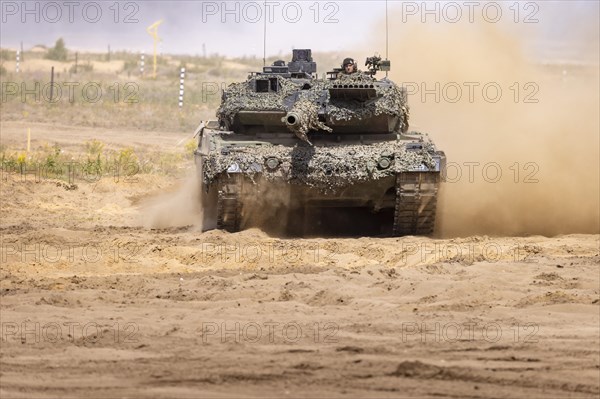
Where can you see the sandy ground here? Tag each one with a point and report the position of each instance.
(95, 304)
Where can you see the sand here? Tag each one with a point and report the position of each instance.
(110, 289)
(95, 303)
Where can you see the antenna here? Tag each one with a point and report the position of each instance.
(386, 34)
(265, 36)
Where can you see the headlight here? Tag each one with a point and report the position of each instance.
(384, 163)
(233, 168)
(272, 163)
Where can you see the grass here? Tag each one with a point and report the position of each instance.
(96, 97)
(128, 100)
(94, 161)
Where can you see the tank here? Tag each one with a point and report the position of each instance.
(299, 154)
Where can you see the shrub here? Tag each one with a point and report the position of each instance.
(58, 52)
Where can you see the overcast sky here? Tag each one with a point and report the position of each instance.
(235, 28)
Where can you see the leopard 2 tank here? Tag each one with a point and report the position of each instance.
(316, 154)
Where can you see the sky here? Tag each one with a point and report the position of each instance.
(235, 28)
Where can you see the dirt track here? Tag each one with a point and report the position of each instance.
(93, 304)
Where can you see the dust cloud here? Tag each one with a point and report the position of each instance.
(523, 151)
(179, 207)
(521, 137)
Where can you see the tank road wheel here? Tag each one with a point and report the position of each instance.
(416, 200)
(229, 203)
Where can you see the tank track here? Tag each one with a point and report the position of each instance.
(414, 210)
(229, 204)
(416, 200)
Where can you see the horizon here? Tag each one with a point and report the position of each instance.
(199, 28)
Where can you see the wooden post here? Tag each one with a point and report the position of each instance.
(51, 84)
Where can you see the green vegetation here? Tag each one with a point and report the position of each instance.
(58, 52)
(51, 162)
(7, 55)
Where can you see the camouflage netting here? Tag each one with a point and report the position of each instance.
(308, 119)
(325, 168)
(242, 96)
(390, 100)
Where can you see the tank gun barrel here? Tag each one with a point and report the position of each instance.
(291, 119)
